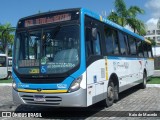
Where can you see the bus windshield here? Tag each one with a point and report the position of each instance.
(52, 50)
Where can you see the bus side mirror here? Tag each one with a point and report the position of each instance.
(94, 33)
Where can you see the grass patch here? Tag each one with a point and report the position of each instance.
(6, 81)
(154, 80)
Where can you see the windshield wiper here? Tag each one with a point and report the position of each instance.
(28, 34)
(56, 30)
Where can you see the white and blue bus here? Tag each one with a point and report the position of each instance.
(3, 66)
(9, 67)
(76, 58)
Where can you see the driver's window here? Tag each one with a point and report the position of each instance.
(96, 45)
(92, 46)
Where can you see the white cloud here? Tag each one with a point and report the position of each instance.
(154, 6)
(128, 27)
(152, 23)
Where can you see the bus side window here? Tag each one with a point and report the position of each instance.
(132, 44)
(109, 41)
(92, 46)
(96, 45)
(88, 42)
(127, 44)
(145, 50)
(123, 44)
(139, 48)
(112, 42)
(115, 42)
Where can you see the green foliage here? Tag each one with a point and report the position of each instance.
(6, 37)
(124, 16)
(153, 42)
(6, 81)
(153, 80)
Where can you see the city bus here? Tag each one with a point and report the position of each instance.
(9, 67)
(3, 66)
(76, 58)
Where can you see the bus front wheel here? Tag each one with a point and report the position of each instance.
(110, 94)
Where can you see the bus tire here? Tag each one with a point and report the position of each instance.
(143, 85)
(110, 94)
(116, 93)
(9, 75)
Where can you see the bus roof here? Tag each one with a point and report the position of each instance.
(96, 16)
(50, 12)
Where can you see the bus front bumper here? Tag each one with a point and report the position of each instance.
(74, 99)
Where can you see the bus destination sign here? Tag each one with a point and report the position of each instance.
(47, 20)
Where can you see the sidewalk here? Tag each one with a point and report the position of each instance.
(5, 84)
(153, 85)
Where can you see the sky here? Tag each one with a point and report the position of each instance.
(12, 10)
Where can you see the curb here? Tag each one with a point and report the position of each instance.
(153, 85)
(5, 84)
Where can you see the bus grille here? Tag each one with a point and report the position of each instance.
(49, 100)
(41, 80)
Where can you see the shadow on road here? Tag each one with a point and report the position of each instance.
(128, 92)
(70, 112)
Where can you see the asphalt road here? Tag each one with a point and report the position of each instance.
(134, 99)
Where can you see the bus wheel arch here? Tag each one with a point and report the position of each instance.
(112, 90)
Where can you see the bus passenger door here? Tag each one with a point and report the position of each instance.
(95, 81)
(95, 65)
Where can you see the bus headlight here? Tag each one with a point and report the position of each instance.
(75, 84)
(14, 85)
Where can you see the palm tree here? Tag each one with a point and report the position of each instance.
(124, 16)
(6, 37)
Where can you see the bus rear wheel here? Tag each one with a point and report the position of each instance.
(143, 85)
(9, 76)
(110, 94)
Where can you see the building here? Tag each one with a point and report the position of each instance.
(154, 34)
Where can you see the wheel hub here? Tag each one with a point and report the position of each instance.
(110, 92)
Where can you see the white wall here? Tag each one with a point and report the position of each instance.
(156, 51)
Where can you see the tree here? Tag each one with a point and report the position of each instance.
(124, 16)
(6, 38)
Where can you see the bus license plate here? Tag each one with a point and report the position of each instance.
(39, 98)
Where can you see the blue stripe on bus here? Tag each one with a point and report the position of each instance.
(124, 58)
(82, 62)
